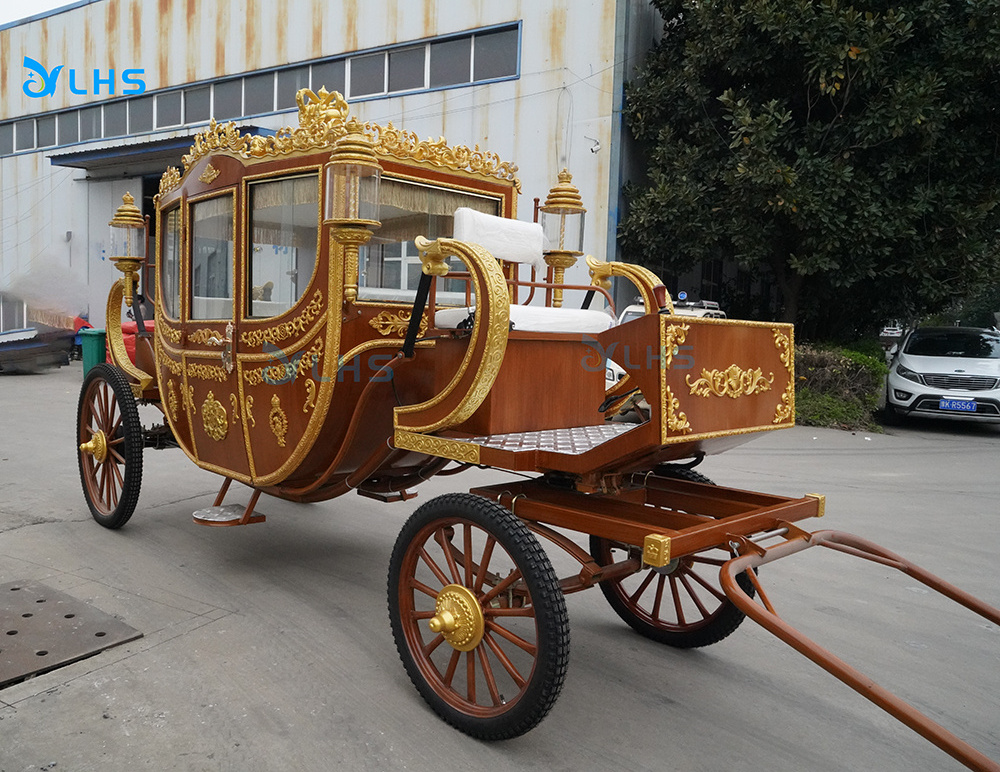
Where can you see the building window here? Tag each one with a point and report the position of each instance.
(368, 75)
(328, 75)
(168, 109)
(406, 69)
(90, 123)
(228, 99)
(495, 55)
(258, 94)
(290, 81)
(69, 127)
(140, 114)
(24, 132)
(46, 130)
(450, 62)
(197, 104)
(6, 138)
(115, 118)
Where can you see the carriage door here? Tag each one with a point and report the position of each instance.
(212, 390)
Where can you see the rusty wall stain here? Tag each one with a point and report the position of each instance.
(192, 11)
(111, 32)
(350, 41)
(430, 18)
(221, 31)
(557, 34)
(164, 28)
(135, 32)
(281, 33)
(317, 29)
(392, 22)
(252, 25)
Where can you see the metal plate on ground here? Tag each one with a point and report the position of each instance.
(42, 629)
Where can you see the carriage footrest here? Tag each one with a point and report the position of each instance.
(226, 514)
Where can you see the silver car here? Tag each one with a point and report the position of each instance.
(945, 371)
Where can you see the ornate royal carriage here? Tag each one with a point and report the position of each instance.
(343, 307)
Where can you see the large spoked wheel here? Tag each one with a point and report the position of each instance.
(681, 604)
(109, 436)
(478, 616)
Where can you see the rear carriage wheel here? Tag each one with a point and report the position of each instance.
(681, 604)
(478, 616)
(109, 436)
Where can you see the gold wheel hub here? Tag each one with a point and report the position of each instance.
(458, 617)
(97, 447)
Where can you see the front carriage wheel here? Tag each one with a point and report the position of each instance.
(681, 604)
(478, 616)
(109, 439)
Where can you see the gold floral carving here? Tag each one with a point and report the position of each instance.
(310, 396)
(213, 416)
(235, 405)
(389, 323)
(437, 446)
(188, 397)
(670, 342)
(278, 421)
(176, 368)
(208, 176)
(249, 404)
(785, 410)
(733, 382)
(173, 335)
(676, 420)
(288, 368)
(206, 372)
(171, 179)
(172, 399)
(322, 121)
(203, 337)
(286, 330)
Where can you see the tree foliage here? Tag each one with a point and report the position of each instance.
(851, 151)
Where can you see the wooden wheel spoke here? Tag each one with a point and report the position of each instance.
(708, 561)
(416, 584)
(501, 586)
(697, 601)
(441, 538)
(449, 674)
(418, 616)
(504, 660)
(112, 410)
(432, 644)
(435, 568)
(467, 554)
(517, 640)
(516, 611)
(116, 471)
(114, 454)
(491, 681)
(470, 676)
(99, 404)
(720, 596)
(658, 599)
(678, 608)
(484, 563)
(634, 597)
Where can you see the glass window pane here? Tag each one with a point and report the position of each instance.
(228, 99)
(24, 133)
(46, 128)
(406, 69)
(496, 54)
(197, 104)
(69, 127)
(115, 118)
(329, 75)
(283, 243)
(212, 259)
(140, 114)
(6, 138)
(170, 264)
(367, 74)
(168, 109)
(258, 94)
(90, 123)
(289, 83)
(451, 62)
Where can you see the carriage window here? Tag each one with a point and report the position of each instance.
(170, 264)
(390, 263)
(284, 238)
(212, 259)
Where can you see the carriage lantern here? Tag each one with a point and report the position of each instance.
(127, 243)
(562, 219)
(351, 206)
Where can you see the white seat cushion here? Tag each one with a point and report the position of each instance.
(513, 241)
(535, 319)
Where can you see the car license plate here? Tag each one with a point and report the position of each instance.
(962, 405)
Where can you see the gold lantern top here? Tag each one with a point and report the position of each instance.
(127, 242)
(353, 174)
(562, 216)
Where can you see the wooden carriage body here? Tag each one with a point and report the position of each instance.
(273, 370)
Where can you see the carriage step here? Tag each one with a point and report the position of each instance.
(387, 497)
(226, 514)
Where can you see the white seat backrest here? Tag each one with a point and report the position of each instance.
(513, 241)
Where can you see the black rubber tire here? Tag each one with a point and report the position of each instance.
(890, 415)
(714, 625)
(111, 487)
(466, 522)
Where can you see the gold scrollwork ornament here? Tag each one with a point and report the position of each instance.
(278, 421)
(214, 417)
(733, 382)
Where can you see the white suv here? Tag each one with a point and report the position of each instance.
(945, 371)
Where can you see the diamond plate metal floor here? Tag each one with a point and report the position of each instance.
(42, 629)
(570, 441)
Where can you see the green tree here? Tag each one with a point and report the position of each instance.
(851, 151)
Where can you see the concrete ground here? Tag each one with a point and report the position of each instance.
(268, 647)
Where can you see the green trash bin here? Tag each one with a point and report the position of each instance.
(94, 348)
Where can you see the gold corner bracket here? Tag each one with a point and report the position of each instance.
(820, 503)
(656, 550)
